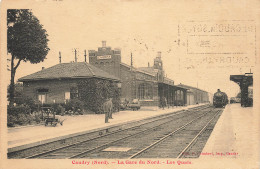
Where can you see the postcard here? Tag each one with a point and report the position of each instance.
(130, 84)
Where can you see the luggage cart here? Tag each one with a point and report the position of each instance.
(50, 116)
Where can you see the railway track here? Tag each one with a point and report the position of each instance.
(182, 142)
(156, 143)
(30, 151)
(96, 146)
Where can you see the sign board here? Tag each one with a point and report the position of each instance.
(104, 57)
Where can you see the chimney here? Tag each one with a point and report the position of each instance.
(85, 55)
(43, 68)
(103, 44)
(148, 64)
(159, 54)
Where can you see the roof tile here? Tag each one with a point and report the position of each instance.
(69, 70)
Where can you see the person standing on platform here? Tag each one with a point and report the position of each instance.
(110, 105)
(107, 108)
(163, 102)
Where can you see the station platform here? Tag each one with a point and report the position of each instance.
(235, 135)
(20, 136)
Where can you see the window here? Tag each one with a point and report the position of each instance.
(42, 95)
(74, 93)
(145, 91)
(42, 98)
(67, 95)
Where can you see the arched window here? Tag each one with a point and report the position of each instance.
(145, 91)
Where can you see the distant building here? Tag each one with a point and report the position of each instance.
(195, 95)
(148, 84)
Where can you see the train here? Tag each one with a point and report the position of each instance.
(220, 99)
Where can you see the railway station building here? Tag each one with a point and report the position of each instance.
(148, 84)
(60, 83)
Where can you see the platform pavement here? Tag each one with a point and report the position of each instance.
(75, 124)
(236, 132)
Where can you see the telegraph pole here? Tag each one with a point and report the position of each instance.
(59, 57)
(76, 55)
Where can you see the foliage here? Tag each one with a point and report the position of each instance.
(26, 38)
(22, 115)
(18, 91)
(18, 110)
(20, 98)
(26, 41)
(74, 105)
(57, 108)
(18, 115)
(94, 92)
(11, 120)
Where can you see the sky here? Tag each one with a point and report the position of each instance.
(146, 27)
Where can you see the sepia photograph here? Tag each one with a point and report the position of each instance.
(130, 83)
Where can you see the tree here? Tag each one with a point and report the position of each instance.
(26, 41)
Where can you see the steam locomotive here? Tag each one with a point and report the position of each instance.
(220, 99)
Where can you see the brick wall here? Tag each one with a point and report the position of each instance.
(110, 62)
(57, 89)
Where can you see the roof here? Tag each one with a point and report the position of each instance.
(190, 87)
(180, 87)
(126, 65)
(168, 81)
(69, 70)
(149, 70)
(138, 69)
